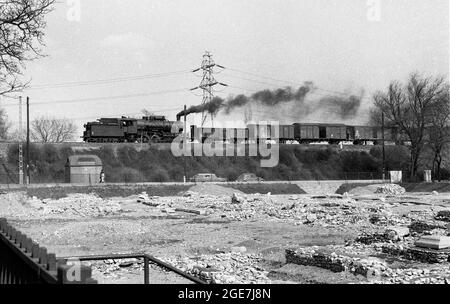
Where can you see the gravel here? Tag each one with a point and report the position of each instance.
(223, 268)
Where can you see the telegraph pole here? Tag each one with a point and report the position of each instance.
(28, 141)
(185, 144)
(208, 82)
(384, 150)
(20, 143)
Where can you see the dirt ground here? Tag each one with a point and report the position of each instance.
(230, 238)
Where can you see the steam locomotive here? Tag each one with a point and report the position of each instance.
(118, 130)
(302, 133)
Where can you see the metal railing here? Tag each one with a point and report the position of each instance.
(23, 261)
(147, 260)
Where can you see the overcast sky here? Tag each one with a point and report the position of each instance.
(340, 45)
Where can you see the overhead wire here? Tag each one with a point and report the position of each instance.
(284, 81)
(105, 98)
(105, 81)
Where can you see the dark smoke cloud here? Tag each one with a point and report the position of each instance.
(288, 104)
(344, 107)
(212, 107)
(273, 98)
(236, 102)
(269, 98)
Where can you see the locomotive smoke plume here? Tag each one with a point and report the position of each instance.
(268, 98)
(343, 107)
(288, 105)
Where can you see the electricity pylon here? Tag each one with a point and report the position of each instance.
(208, 82)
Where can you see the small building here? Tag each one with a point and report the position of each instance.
(83, 169)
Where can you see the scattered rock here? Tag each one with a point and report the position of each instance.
(311, 218)
(236, 199)
(240, 249)
(397, 233)
(443, 215)
(390, 189)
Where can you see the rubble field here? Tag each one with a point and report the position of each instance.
(223, 235)
(107, 191)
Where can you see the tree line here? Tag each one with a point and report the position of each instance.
(420, 110)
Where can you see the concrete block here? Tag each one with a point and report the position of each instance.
(434, 242)
(194, 211)
(241, 249)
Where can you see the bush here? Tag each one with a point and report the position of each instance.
(159, 176)
(129, 175)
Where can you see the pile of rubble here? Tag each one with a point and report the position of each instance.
(14, 205)
(223, 268)
(427, 227)
(390, 189)
(334, 262)
(391, 234)
(443, 215)
(19, 205)
(78, 205)
(437, 275)
(374, 270)
(337, 211)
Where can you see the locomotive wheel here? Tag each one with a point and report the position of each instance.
(143, 140)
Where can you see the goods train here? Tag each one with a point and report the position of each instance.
(154, 129)
(302, 133)
(146, 130)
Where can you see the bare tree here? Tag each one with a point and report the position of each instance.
(439, 130)
(15, 135)
(21, 36)
(46, 129)
(409, 108)
(4, 125)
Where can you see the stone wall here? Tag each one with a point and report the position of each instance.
(331, 262)
(418, 254)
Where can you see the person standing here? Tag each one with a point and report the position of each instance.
(102, 177)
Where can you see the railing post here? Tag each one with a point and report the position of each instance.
(146, 270)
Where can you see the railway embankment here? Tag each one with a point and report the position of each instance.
(141, 164)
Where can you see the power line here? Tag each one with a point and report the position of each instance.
(105, 81)
(283, 81)
(114, 115)
(106, 97)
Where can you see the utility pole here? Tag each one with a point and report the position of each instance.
(208, 82)
(185, 144)
(384, 150)
(20, 143)
(28, 142)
